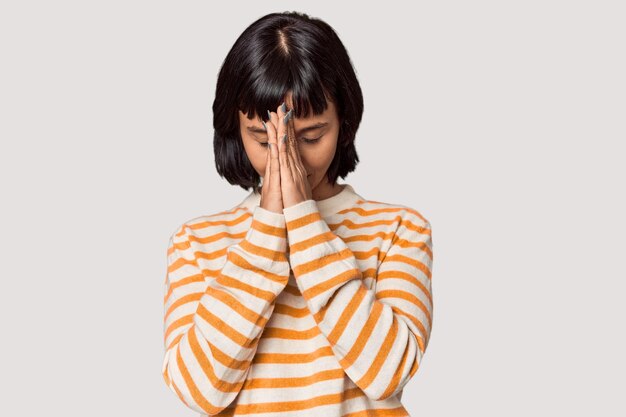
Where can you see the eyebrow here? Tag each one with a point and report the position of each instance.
(256, 129)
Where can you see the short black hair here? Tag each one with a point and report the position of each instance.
(278, 53)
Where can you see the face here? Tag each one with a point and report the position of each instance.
(316, 137)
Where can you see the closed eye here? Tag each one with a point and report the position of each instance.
(311, 140)
(305, 140)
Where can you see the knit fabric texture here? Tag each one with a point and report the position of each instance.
(323, 310)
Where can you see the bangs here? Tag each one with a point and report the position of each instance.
(268, 84)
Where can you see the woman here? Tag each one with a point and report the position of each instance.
(305, 298)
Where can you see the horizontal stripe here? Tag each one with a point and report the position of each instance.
(308, 312)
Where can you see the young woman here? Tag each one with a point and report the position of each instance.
(306, 299)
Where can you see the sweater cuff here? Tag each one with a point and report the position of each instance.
(304, 221)
(301, 209)
(268, 230)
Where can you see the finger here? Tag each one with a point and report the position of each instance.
(290, 146)
(295, 172)
(274, 165)
(293, 148)
(283, 145)
(271, 127)
(272, 152)
(272, 119)
(281, 127)
(298, 157)
(285, 169)
(286, 174)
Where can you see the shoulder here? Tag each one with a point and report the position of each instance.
(402, 224)
(205, 226)
(397, 213)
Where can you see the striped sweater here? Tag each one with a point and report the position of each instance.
(324, 310)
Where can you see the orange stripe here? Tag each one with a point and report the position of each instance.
(410, 261)
(346, 315)
(227, 223)
(276, 256)
(407, 277)
(183, 321)
(208, 370)
(189, 298)
(289, 358)
(236, 306)
(241, 262)
(405, 296)
(225, 329)
(304, 220)
(330, 283)
(417, 324)
(379, 360)
(287, 310)
(212, 238)
(180, 395)
(191, 279)
(193, 388)
(403, 243)
(290, 334)
(231, 282)
(395, 380)
(362, 212)
(297, 405)
(364, 335)
(294, 382)
(280, 232)
(308, 243)
(318, 263)
(380, 412)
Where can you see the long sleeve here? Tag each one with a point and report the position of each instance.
(212, 325)
(378, 336)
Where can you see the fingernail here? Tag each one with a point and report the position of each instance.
(269, 115)
(287, 116)
(284, 107)
(264, 125)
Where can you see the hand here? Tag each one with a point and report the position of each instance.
(294, 183)
(271, 194)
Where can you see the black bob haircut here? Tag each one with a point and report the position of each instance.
(278, 53)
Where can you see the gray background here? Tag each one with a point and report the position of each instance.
(502, 122)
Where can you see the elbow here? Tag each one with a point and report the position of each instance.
(378, 395)
(391, 385)
(199, 396)
(381, 393)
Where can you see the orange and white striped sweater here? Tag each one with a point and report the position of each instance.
(324, 310)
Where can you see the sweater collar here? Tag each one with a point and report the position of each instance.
(344, 199)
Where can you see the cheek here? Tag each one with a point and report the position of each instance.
(319, 157)
(257, 156)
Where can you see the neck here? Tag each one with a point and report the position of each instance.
(325, 190)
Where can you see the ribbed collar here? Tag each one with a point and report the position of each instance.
(346, 198)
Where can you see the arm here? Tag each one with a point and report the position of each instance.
(378, 337)
(212, 330)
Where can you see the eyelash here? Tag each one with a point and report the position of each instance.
(307, 141)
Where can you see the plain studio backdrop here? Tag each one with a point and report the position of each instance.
(502, 122)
